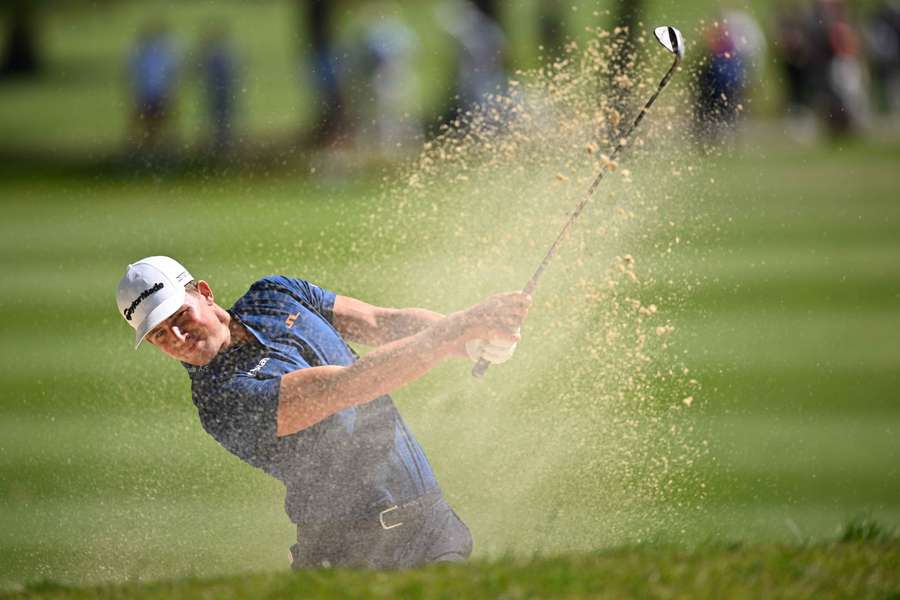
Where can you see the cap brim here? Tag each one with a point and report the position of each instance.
(159, 314)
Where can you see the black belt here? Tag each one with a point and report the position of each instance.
(389, 518)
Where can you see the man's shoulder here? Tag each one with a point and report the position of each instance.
(275, 281)
(282, 282)
(273, 286)
(270, 284)
(278, 297)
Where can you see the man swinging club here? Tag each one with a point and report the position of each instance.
(275, 383)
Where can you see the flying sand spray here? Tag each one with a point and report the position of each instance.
(672, 40)
(620, 452)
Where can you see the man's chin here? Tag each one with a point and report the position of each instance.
(199, 359)
(197, 362)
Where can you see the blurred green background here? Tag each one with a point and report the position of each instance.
(787, 313)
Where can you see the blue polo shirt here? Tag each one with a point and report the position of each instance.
(357, 461)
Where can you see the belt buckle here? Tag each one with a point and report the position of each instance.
(381, 518)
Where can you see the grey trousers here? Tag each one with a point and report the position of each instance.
(434, 534)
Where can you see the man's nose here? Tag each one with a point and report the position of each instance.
(179, 335)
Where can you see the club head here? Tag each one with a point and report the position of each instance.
(671, 40)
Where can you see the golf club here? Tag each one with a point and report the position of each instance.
(671, 39)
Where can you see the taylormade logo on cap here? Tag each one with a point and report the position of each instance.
(151, 291)
(130, 310)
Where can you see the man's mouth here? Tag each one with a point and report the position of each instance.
(190, 343)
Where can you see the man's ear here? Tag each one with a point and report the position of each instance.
(205, 291)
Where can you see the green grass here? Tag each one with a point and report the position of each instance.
(106, 475)
(835, 570)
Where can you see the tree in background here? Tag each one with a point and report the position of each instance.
(627, 17)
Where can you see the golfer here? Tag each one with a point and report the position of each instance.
(276, 384)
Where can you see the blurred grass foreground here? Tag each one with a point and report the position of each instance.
(785, 299)
(817, 571)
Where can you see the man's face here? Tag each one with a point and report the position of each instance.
(194, 334)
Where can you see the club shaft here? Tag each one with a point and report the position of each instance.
(532, 283)
(482, 365)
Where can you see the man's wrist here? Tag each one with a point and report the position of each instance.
(447, 334)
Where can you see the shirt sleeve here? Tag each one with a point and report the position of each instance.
(319, 299)
(241, 413)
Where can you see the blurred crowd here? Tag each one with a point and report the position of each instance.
(837, 67)
(829, 63)
(362, 90)
(155, 70)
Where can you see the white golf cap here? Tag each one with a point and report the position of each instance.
(150, 292)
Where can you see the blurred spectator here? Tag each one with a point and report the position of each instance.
(480, 46)
(882, 35)
(797, 53)
(748, 38)
(731, 45)
(153, 73)
(330, 117)
(843, 99)
(387, 57)
(551, 28)
(219, 66)
(20, 55)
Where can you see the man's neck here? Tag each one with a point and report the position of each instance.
(239, 333)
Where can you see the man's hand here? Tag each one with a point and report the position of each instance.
(498, 319)
(494, 351)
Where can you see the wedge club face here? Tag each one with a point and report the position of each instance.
(671, 40)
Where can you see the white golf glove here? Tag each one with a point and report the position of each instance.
(494, 351)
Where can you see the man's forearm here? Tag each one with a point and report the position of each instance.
(403, 322)
(373, 326)
(311, 395)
